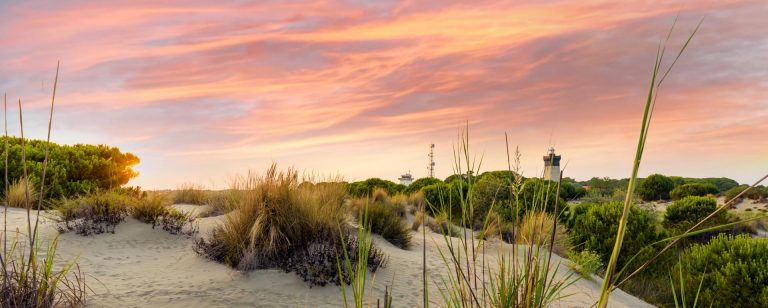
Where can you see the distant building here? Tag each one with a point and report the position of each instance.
(552, 166)
(406, 179)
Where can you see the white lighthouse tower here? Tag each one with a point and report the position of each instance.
(552, 165)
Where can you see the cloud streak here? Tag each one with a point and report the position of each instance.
(205, 89)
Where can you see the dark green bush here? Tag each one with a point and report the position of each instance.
(722, 184)
(571, 190)
(537, 193)
(385, 221)
(606, 186)
(685, 213)
(366, 188)
(655, 187)
(734, 269)
(593, 227)
(757, 193)
(693, 189)
(444, 197)
(419, 184)
(73, 169)
(489, 192)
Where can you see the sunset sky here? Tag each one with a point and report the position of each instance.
(205, 90)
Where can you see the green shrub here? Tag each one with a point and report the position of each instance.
(756, 193)
(593, 227)
(655, 187)
(722, 184)
(73, 170)
(693, 189)
(734, 269)
(443, 197)
(585, 262)
(94, 214)
(419, 184)
(535, 192)
(685, 213)
(366, 188)
(174, 221)
(571, 190)
(385, 220)
(487, 192)
(606, 186)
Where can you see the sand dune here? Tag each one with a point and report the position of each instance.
(142, 267)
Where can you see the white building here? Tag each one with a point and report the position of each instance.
(406, 179)
(552, 166)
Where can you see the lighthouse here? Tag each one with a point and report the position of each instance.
(552, 165)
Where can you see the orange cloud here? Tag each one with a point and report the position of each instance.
(332, 86)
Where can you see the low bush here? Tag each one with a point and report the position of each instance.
(191, 194)
(174, 221)
(593, 227)
(149, 209)
(366, 188)
(535, 194)
(585, 262)
(655, 187)
(685, 213)
(94, 214)
(693, 189)
(734, 270)
(281, 225)
(386, 219)
(417, 185)
(756, 193)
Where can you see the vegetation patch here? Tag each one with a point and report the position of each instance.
(280, 224)
(94, 214)
(693, 189)
(191, 194)
(385, 218)
(585, 262)
(734, 270)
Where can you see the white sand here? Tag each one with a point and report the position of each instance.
(142, 267)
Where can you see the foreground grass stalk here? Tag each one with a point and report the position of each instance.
(47, 152)
(650, 103)
(5, 210)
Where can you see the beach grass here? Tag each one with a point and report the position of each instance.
(31, 276)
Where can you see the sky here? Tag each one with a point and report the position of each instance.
(203, 91)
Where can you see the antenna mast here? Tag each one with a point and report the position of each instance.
(431, 166)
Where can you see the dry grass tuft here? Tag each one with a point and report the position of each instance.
(16, 195)
(536, 229)
(440, 224)
(280, 224)
(222, 202)
(379, 195)
(417, 221)
(191, 194)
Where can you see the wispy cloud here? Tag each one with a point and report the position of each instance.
(202, 89)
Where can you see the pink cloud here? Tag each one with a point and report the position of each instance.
(363, 88)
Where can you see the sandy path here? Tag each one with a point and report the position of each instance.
(142, 267)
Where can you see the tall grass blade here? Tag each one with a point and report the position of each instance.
(653, 91)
